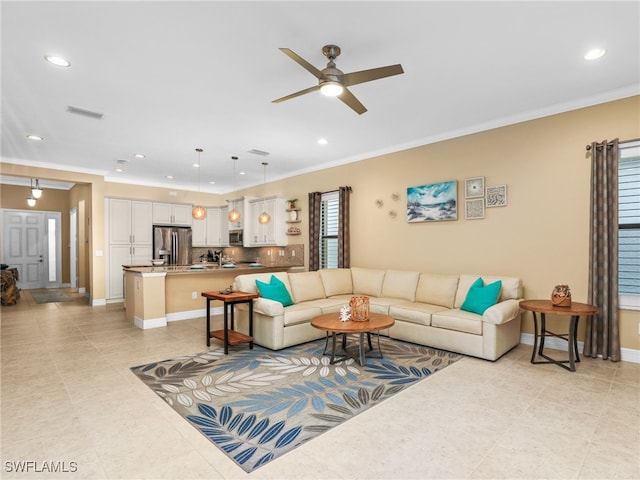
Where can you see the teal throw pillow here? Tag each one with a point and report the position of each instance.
(481, 296)
(275, 290)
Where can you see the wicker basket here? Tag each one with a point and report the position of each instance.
(359, 306)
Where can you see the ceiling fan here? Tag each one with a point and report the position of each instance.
(333, 82)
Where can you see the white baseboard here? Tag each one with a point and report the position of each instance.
(82, 290)
(626, 354)
(177, 316)
(98, 302)
(150, 323)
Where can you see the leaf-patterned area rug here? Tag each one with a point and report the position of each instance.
(256, 405)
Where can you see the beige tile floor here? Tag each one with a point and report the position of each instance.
(68, 396)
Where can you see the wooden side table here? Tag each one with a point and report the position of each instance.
(228, 335)
(574, 311)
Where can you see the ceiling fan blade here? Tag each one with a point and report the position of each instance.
(349, 98)
(362, 76)
(301, 61)
(297, 94)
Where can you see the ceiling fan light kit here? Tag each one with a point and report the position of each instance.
(333, 82)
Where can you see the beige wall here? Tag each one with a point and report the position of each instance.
(542, 235)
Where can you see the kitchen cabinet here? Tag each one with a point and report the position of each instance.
(172, 214)
(272, 233)
(129, 230)
(213, 230)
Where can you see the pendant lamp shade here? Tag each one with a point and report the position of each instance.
(36, 192)
(199, 212)
(234, 215)
(264, 217)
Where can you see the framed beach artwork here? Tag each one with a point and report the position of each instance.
(496, 196)
(433, 202)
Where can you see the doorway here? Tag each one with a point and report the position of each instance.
(31, 243)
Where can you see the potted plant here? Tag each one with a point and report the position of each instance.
(292, 203)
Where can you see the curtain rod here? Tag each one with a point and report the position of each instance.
(588, 147)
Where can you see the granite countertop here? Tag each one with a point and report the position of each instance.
(200, 268)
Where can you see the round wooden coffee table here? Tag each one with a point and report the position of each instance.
(330, 322)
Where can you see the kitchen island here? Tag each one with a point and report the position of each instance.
(157, 295)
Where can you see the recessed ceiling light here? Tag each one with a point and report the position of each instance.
(322, 141)
(59, 61)
(169, 177)
(242, 173)
(119, 170)
(594, 53)
(138, 155)
(35, 137)
(212, 182)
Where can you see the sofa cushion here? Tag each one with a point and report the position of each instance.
(367, 281)
(336, 281)
(382, 304)
(328, 305)
(437, 289)
(414, 312)
(457, 320)
(300, 313)
(306, 286)
(247, 281)
(398, 284)
(274, 290)
(511, 287)
(481, 296)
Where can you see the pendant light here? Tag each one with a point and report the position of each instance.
(234, 215)
(31, 201)
(199, 212)
(264, 217)
(36, 192)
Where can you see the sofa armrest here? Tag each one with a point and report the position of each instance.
(268, 307)
(502, 312)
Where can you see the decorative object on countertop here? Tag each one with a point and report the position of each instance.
(345, 314)
(359, 306)
(157, 262)
(561, 296)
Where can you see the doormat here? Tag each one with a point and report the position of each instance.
(50, 297)
(255, 405)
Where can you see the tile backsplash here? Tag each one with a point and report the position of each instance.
(288, 256)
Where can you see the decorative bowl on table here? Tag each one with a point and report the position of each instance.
(157, 262)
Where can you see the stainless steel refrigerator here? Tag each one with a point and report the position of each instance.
(173, 244)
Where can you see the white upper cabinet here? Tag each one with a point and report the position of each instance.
(129, 222)
(272, 233)
(213, 230)
(172, 214)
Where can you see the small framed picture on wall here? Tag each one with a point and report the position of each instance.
(474, 187)
(496, 196)
(474, 209)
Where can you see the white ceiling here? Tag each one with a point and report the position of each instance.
(174, 76)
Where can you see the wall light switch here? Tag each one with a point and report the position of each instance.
(194, 295)
(99, 253)
(293, 253)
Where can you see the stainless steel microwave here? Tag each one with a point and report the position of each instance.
(236, 237)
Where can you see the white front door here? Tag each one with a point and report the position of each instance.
(31, 243)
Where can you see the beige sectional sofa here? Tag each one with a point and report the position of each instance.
(425, 306)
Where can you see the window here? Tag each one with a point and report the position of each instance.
(329, 210)
(629, 225)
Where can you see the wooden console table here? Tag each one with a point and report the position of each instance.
(228, 335)
(574, 311)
